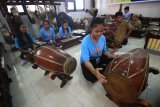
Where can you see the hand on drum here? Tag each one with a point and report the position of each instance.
(99, 76)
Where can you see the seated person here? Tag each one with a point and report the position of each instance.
(135, 22)
(88, 21)
(108, 19)
(24, 42)
(64, 30)
(124, 29)
(93, 12)
(92, 56)
(137, 28)
(127, 15)
(47, 33)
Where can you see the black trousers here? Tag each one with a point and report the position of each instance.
(104, 60)
(125, 41)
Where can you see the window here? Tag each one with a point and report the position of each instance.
(75, 5)
(32, 8)
(70, 5)
(19, 8)
(79, 4)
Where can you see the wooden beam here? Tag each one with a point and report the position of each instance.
(33, 3)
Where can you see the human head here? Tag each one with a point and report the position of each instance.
(65, 24)
(21, 28)
(119, 16)
(97, 27)
(46, 24)
(134, 17)
(126, 9)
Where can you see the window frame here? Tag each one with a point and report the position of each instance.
(74, 3)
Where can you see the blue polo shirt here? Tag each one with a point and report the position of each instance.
(91, 50)
(25, 39)
(47, 35)
(61, 33)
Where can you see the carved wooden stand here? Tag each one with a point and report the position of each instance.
(63, 77)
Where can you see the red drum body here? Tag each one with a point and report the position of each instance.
(54, 60)
(127, 76)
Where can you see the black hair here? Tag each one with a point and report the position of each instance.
(46, 21)
(20, 35)
(119, 13)
(131, 16)
(63, 22)
(126, 8)
(86, 10)
(96, 21)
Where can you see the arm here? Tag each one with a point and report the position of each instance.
(60, 31)
(105, 47)
(41, 35)
(53, 33)
(95, 72)
(129, 29)
(140, 25)
(31, 37)
(69, 30)
(90, 67)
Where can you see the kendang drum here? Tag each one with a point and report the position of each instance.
(55, 60)
(127, 77)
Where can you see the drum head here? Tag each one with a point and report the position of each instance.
(70, 65)
(119, 88)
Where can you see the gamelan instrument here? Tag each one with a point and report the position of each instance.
(152, 42)
(55, 60)
(68, 41)
(127, 77)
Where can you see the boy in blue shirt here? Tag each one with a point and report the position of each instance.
(93, 47)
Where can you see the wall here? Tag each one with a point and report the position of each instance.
(147, 9)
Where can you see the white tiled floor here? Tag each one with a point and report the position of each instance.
(30, 88)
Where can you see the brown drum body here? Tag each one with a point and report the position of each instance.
(54, 60)
(127, 76)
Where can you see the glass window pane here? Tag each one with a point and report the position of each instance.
(31, 8)
(79, 4)
(19, 8)
(70, 5)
